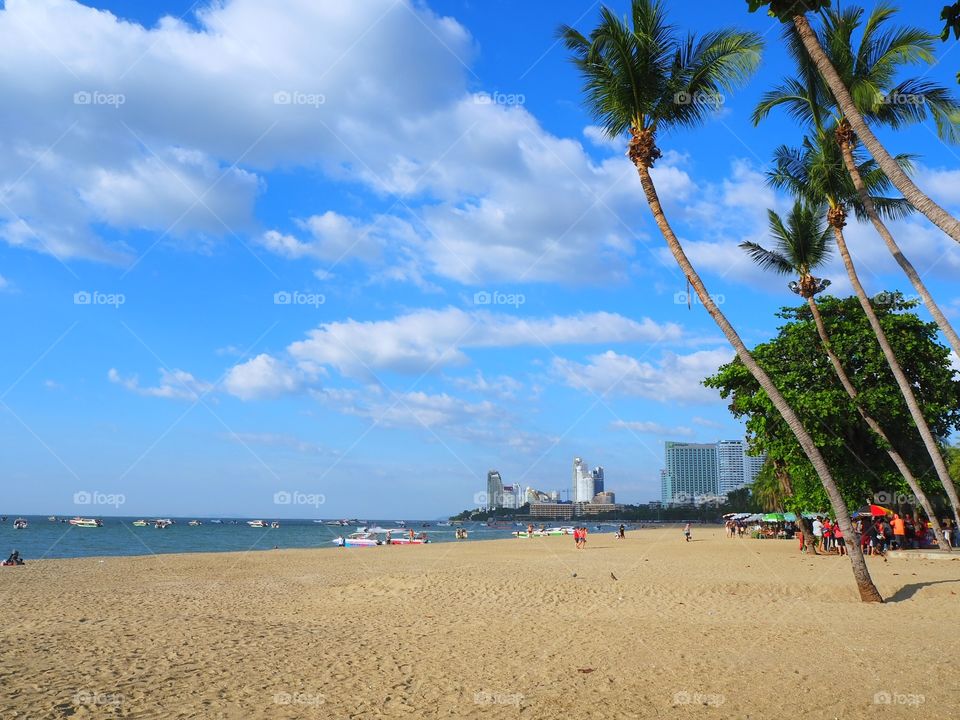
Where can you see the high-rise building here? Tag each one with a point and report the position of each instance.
(512, 497)
(700, 472)
(582, 482)
(691, 469)
(494, 490)
(730, 466)
(597, 474)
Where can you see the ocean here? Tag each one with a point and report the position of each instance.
(45, 539)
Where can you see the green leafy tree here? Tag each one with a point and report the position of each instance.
(801, 246)
(641, 77)
(808, 381)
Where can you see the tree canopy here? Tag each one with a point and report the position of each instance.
(803, 373)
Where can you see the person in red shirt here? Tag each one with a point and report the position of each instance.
(839, 540)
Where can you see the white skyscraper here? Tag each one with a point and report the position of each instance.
(583, 487)
(730, 466)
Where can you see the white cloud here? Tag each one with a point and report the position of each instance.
(502, 386)
(426, 339)
(262, 376)
(4, 283)
(955, 362)
(174, 385)
(652, 428)
(942, 184)
(675, 378)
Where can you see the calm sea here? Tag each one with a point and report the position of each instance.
(45, 539)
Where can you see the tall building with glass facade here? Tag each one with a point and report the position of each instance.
(730, 466)
(583, 484)
(494, 490)
(691, 470)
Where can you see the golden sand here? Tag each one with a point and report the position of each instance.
(649, 627)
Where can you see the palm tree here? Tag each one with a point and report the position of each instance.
(795, 12)
(644, 79)
(802, 246)
(815, 174)
(869, 71)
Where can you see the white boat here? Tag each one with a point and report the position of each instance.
(405, 539)
(86, 522)
(274, 525)
(358, 539)
(52, 518)
(20, 524)
(216, 522)
(194, 523)
(139, 523)
(162, 523)
(256, 523)
(378, 529)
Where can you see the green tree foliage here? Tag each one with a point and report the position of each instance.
(805, 377)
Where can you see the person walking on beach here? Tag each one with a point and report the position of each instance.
(576, 537)
(686, 532)
(622, 532)
(817, 535)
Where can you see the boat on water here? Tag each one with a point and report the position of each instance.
(358, 539)
(443, 524)
(20, 524)
(378, 529)
(256, 523)
(52, 518)
(420, 539)
(194, 523)
(139, 523)
(162, 523)
(86, 522)
(216, 522)
(274, 525)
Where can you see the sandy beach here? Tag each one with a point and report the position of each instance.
(642, 628)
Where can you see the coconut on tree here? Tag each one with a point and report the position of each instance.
(815, 173)
(641, 78)
(795, 12)
(870, 71)
(801, 246)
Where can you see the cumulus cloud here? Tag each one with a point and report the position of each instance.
(260, 377)
(174, 385)
(675, 378)
(426, 339)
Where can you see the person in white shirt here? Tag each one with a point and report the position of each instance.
(817, 535)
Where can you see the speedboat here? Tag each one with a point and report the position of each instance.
(52, 518)
(194, 523)
(558, 531)
(274, 525)
(86, 522)
(358, 539)
(376, 529)
(20, 524)
(139, 523)
(256, 523)
(420, 539)
(216, 522)
(162, 523)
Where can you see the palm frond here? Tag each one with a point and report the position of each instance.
(768, 259)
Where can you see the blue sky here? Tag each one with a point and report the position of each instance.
(174, 173)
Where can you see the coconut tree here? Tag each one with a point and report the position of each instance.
(870, 71)
(794, 11)
(801, 245)
(641, 77)
(816, 174)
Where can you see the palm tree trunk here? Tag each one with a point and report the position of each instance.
(903, 383)
(787, 483)
(847, 147)
(874, 425)
(936, 214)
(868, 591)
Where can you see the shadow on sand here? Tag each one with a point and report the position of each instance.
(908, 591)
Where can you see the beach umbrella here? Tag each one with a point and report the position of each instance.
(790, 517)
(773, 517)
(873, 511)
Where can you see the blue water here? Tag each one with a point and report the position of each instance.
(45, 539)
